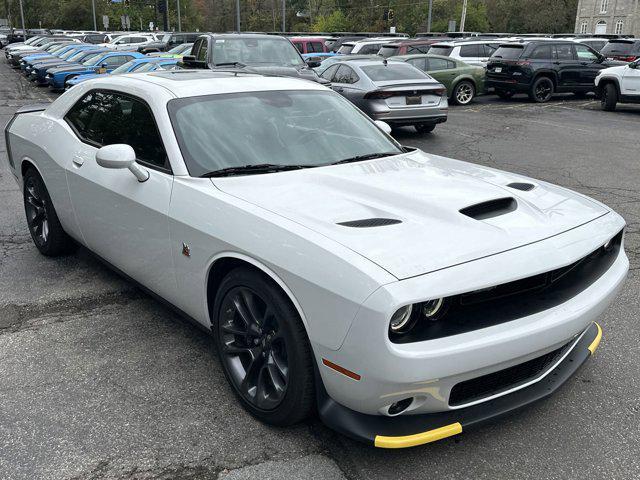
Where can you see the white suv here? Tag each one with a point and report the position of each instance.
(369, 46)
(619, 84)
(476, 52)
(130, 42)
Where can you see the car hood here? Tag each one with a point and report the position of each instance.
(282, 71)
(618, 69)
(72, 67)
(423, 194)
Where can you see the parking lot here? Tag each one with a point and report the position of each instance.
(97, 380)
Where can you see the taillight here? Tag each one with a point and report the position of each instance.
(629, 58)
(440, 91)
(380, 95)
(523, 63)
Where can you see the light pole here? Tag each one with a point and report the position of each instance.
(238, 16)
(24, 30)
(429, 16)
(95, 23)
(179, 22)
(464, 15)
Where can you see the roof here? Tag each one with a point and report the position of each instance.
(193, 83)
(415, 41)
(456, 43)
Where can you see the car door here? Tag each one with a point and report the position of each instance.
(442, 70)
(122, 220)
(631, 80)
(567, 66)
(590, 62)
(114, 61)
(122, 43)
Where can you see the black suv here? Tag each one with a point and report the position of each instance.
(253, 53)
(541, 68)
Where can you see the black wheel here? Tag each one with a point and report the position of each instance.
(463, 92)
(424, 127)
(504, 94)
(263, 348)
(42, 220)
(542, 90)
(609, 97)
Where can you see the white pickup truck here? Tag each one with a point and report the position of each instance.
(619, 84)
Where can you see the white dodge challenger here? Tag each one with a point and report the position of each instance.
(402, 295)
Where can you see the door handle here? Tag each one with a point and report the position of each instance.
(78, 160)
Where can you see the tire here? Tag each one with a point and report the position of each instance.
(504, 94)
(424, 127)
(542, 90)
(463, 93)
(609, 98)
(263, 348)
(42, 220)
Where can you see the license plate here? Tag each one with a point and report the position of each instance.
(414, 100)
(498, 69)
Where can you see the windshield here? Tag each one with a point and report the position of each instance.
(256, 51)
(124, 68)
(388, 51)
(79, 55)
(393, 71)
(68, 54)
(166, 37)
(618, 48)
(180, 48)
(346, 48)
(440, 50)
(508, 52)
(92, 60)
(308, 128)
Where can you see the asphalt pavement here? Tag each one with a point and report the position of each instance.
(97, 380)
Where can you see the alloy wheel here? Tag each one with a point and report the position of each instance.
(253, 348)
(543, 91)
(37, 217)
(464, 93)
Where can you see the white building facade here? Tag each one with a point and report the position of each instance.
(620, 17)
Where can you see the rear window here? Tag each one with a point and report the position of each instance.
(508, 52)
(441, 50)
(395, 71)
(618, 48)
(345, 49)
(388, 51)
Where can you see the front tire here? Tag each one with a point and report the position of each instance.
(609, 98)
(44, 226)
(542, 90)
(424, 127)
(263, 348)
(463, 93)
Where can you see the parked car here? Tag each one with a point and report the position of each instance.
(103, 62)
(594, 42)
(541, 68)
(335, 45)
(619, 84)
(475, 52)
(177, 51)
(316, 59)
(130, 42)
(623, 49)
(332, 60)
(254, 53)
(402, 295)
(169, 41)
(369, 46)
(395, 92)
(138, 65)
(407, 47)
(58, 55)
(47, 53)
(309, 44)
(4, 39)
(463, 82)
(39, 72)
(15, 54)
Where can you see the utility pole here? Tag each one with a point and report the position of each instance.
(284, 16)
(24, 30)
(238, 16)
(179, 21)
(95, 22)
(429, 16)
(464, 15)
(166, 15)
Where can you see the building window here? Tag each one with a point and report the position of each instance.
(601, 27)
(603, 6)
(583, 27)
(619, 27)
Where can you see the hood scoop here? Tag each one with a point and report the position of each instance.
(525, 187)
(370, 222)
(490, 209)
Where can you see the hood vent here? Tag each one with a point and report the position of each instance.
(490, 209)
(525, 187)
(370, 222)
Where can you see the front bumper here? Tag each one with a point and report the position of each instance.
(413, 430)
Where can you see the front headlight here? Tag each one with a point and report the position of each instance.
(401, 321)
(410, 316)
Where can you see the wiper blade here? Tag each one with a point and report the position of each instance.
(230, 64)
(368, 156)
(252, 169)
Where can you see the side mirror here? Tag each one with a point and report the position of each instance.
(384, 126)
(118, 156)
(634, 65)
(313, 63)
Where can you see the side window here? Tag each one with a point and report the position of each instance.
(196, 47)
(542, 52)
(488, 50)
(328, 73)
(316, 47)
(436, 64)
(202, 52)
(116, 60)
(419, 63)
(564, 52)
(585, 53)
(138, 39)
(122, 40)
(470, 51)
(299, 46)
(104, 118)
(345, 75)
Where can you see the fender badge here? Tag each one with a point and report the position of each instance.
(186, 251)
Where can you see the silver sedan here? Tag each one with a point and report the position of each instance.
(397, 93)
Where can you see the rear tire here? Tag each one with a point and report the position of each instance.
(44, 226)
(542, 90)
(463, 93)
(424, 127)
(609, 97)
(263, 348)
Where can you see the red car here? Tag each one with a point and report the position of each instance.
(309, 44)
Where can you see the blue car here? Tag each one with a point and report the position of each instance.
(47, 53)
(58, 58)
(104, 62)
(148, 64)
(39, 72)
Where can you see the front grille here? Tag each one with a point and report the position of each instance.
(503, 380)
